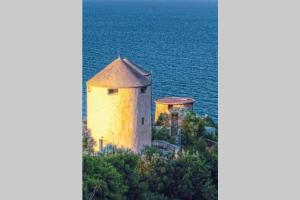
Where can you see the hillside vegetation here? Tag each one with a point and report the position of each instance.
(192, 174)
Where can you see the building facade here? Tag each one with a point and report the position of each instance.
(173, 106)
(119, 106)
(170, 112)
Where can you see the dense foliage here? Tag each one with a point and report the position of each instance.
(163, 120)
(152, 175)
(87, 141)
(162, 134)
(101, 180)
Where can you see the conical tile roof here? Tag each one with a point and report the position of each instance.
(136, 67)
(119, 74)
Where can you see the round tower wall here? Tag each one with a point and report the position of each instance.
(161, 108)
(118, 118)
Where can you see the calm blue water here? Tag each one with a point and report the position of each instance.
(178, 42)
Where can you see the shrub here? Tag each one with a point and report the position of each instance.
(101, 180)
(162, 134)
(163, 120)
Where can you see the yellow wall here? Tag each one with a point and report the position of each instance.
(163, 108)
(118, 117)
(159, 109)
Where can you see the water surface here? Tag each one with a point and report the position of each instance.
(177, 42)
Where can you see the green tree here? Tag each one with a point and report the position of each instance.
(149, 152)
(156, 196)
(192, 178)
(212, 163)
(208, 121)
(162, 134)
(163, 120)
(101, 180)
(192, 125)
(156, 173)
(193, 135)
(127, 164)
(186, 177)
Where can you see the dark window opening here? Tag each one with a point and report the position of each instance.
(112, 91)
(143, 89)
(170, 107)
(143, 120)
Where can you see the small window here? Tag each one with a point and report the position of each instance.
(112, 91)
(170, 107)
(143, 89)
(143, 120)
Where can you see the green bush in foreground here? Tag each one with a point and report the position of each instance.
(101, 180)
(124, 175)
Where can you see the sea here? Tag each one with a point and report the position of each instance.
(176, 40)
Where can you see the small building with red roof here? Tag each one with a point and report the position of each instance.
(174, 107)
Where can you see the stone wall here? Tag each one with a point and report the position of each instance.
(118, 117)
(164, 108)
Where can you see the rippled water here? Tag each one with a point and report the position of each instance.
(178, 42)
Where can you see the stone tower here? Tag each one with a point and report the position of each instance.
(119, 106)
